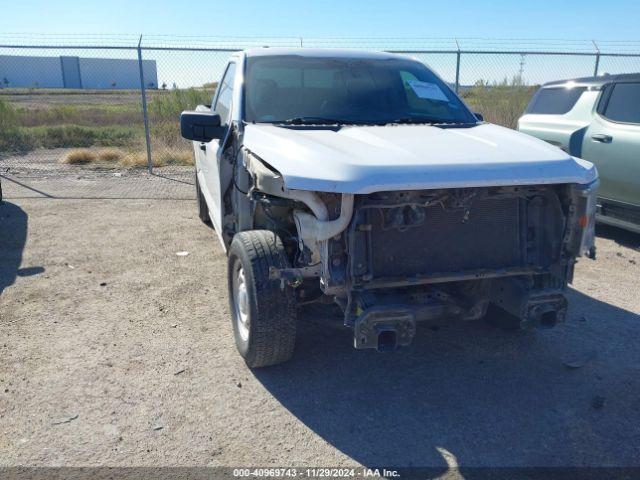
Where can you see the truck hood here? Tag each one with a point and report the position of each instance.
(365, 159)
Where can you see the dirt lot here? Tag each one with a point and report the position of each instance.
(116, 351)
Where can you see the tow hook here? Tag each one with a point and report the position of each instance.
(387, 340)
(545, 314)
(384, 328)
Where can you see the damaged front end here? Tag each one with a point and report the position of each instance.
(392, 259)
(453, 253)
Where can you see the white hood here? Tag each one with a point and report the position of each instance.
(411, 157)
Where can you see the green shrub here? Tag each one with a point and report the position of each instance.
(164, 112)
(68, 126)
(12, 138)
(86, 115)
(168, 134)
(16, 140)
(66, 136)
(500, 102)
(167, 106)
(7, 116)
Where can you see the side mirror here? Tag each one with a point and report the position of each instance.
(201, 126)
(479, 116)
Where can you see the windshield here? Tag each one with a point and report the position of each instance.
(295, 89)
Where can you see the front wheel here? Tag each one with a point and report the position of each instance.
(263, 314)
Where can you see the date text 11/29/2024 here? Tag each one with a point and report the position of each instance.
(315, 472)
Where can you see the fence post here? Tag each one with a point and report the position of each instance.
(457, 67)
(145, 113)
(595, 70)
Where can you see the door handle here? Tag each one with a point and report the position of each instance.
(203, 147)
(599, 137)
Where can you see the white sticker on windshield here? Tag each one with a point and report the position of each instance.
(427, 90)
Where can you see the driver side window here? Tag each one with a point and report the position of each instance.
(225, 94)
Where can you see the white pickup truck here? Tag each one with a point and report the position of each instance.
(360, 178)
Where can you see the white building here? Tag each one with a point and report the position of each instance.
(75, 72)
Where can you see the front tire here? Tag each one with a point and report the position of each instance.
(263, 314)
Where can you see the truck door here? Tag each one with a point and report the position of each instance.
(612, 143)
(212, 152)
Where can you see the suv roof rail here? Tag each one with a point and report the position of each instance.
(597, 81)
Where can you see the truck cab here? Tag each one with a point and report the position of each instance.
(360, 179)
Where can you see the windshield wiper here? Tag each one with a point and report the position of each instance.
(326, 121)
(429, 121)
(409, 120)
(313, 121)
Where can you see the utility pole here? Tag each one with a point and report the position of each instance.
(457, 86)
(595, 70)
(521, 72)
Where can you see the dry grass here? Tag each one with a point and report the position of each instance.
(86, 156)
(116, 157)
(160, 158)
(136, 160)
(175, 157)
(111, 155)
(80, 157)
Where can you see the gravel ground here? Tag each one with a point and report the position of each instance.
(116, 351)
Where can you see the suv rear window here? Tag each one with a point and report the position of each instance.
(623, 104)
(554, 101)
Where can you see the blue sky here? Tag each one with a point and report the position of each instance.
(585, 19)
(475, 23)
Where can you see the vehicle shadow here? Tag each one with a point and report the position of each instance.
(13, 235)
(622, 237)
(469, 394)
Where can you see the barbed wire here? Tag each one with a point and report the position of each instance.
(386, 43)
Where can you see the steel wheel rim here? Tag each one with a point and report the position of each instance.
(241, 302)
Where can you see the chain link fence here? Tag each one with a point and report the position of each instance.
(76, 111)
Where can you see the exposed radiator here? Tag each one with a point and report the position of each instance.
(488, 235)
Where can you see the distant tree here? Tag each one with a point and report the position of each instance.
(5, 82)
(164, 85)
(175, 86)
(113, 84)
